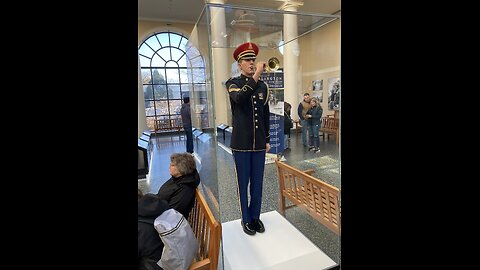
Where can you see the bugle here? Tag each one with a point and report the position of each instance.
(272, 65)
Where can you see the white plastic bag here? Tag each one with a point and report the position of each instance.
(177, 236)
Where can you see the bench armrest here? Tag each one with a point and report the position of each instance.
(201, 265)
(309, 172)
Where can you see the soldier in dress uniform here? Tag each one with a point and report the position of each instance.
(250, 138)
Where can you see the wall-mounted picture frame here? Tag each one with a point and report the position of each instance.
(317, 85)
(334, 93)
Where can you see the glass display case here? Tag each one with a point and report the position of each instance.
(303, 54)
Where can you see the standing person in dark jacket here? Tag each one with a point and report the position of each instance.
(251, 133)
(150, 246)
(187, 123)
(313, 115)
(302, 111)
(179, 190)
(287, 122)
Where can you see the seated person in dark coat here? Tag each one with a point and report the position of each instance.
(150, 246)
(179, 190)
(177, 193)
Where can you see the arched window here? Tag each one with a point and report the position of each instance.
(170, 70)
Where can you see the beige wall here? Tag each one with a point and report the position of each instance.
(146, 28)
(320, 60)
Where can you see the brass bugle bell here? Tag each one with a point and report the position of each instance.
(273, 64)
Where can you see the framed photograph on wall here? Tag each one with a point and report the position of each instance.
(334, 93)
(317, 85)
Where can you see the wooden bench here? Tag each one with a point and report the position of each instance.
(330, 125)
(168, 124)
(319, 199)
(208, 232)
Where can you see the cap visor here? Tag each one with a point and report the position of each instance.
(248, 57)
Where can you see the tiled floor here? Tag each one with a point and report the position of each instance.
(215, 166)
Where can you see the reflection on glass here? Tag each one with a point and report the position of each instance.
(315, 55)
(198, 93)
(197, 62)
(203, 101)
(204, 120)
(198, 75)
(200, 88)
(192, 53)
(265, 28)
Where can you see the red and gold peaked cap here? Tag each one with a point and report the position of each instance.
(247, 50)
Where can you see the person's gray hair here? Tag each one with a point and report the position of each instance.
(184, 162)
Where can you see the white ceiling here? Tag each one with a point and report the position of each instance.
(189, 10)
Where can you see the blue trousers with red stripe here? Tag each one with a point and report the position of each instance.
(250, 167)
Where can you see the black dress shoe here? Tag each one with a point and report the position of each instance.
(248, 228)
(258, 225)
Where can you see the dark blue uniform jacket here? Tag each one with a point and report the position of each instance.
(250, 113)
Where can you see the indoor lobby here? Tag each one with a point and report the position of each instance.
(189, 54)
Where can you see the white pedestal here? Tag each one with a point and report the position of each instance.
(280, 247)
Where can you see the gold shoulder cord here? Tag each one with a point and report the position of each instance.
(268, 93)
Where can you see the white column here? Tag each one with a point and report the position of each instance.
(221, 63)
(142, 121)
(292, 75)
